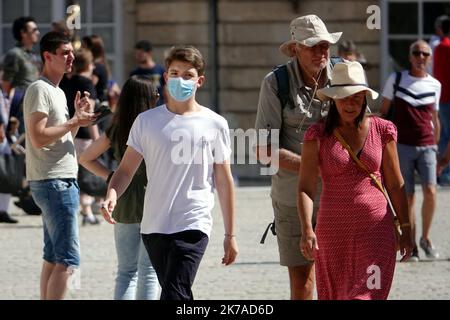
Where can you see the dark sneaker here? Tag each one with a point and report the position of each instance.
(414, 256)
(444, 180)
(430, 250)
(6, 218)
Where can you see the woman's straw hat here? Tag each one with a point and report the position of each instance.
(347, 78)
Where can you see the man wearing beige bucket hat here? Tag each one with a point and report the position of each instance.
(291, 112)
(354, 234)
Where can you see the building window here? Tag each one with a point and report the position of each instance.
(102, 17)
(43, 11)
(407, 21)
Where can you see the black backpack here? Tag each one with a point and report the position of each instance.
(282, 76)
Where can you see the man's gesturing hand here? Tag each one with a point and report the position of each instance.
(84, 114)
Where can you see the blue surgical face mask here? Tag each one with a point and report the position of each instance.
(180, 89)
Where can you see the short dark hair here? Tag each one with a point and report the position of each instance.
(144, 45)
(446, 26)
(189, 54)
(19, 25)
(51, 41)
(347, 46)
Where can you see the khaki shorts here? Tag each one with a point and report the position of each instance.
(288, 228)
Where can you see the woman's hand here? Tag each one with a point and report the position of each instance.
(308, 244)
(406, 244)
(108, 207)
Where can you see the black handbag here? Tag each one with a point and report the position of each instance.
(12, 171)
(90, 183)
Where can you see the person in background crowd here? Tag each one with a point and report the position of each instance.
(146, 65)
(348, 51)
(21, 65)
(436, 37)
(101, 73)
(441, 70)
(5, 198)
(61, 26)
(416, 105)
(81, 80)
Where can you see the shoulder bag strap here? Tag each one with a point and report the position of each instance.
(363, 167)
(360, 164)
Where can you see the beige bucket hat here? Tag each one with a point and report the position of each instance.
(347, 78)
(308, 30)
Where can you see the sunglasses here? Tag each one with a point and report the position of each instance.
(418, 53)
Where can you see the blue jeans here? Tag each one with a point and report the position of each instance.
(59, 201)
(136, 278)
(444, 115)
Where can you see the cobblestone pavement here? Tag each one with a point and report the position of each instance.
(255, 276)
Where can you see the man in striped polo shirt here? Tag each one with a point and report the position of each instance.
(416, 105)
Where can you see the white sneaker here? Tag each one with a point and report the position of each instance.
(430, 250)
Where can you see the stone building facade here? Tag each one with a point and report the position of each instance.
(248, 34)
(239, 38)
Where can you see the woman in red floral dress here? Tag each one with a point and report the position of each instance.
(353, 244)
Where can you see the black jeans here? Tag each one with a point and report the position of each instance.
(176, 258)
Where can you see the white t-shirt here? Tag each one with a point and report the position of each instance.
(57, 159)
(416, 91)
(179, 152)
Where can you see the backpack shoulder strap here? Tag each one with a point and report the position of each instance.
(391, 111)
(398, 77)
(282, 76)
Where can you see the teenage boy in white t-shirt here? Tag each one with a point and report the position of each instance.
(186, 148)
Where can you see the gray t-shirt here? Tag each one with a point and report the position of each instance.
(292, 121)
(58, 159)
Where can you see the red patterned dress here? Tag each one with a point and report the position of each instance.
(355, 235)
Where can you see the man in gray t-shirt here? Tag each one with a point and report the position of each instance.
(21, 65)
(308, 70)
(51, 162)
